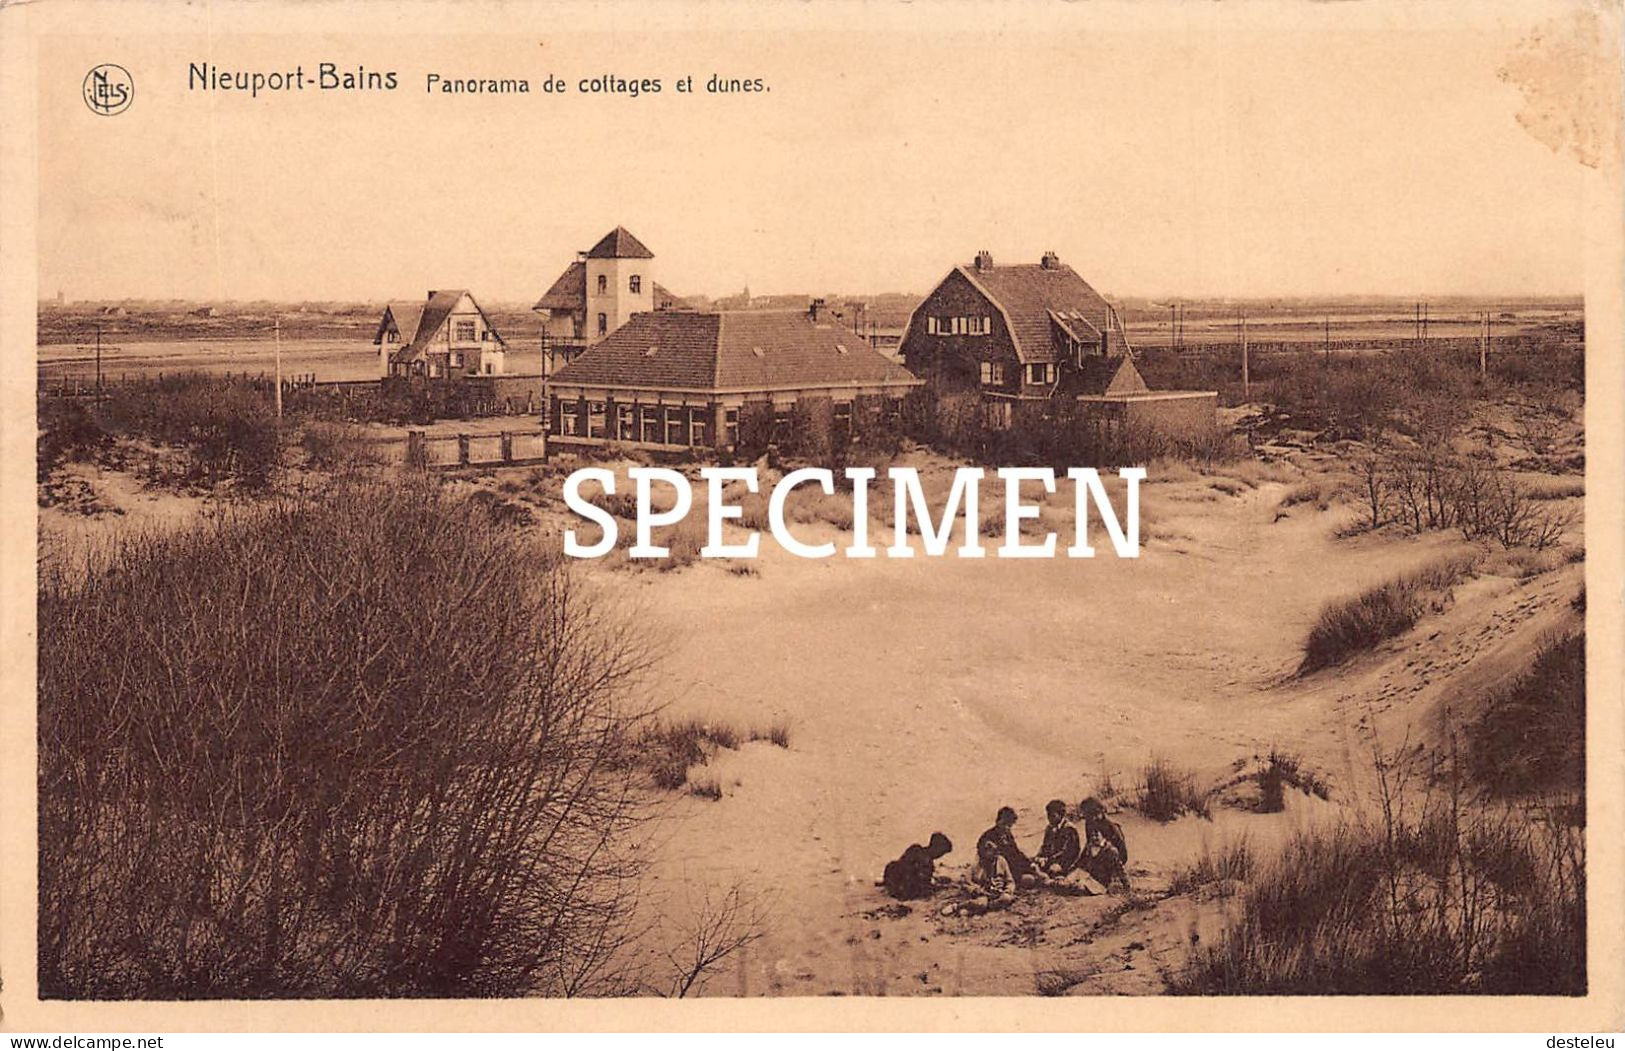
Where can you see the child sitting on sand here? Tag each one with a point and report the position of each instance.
(1105, 851)
(1059, 854)
(991, 884)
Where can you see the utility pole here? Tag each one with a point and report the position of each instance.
(278, 329)
(1328, 320)
(1484, 347)
(98, 359)
(1246, 379)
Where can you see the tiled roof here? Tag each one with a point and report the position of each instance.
(1029, 293)
(745, 350)
(400, 317)
(432, 315)
(1102, 375)
(619, 244)
(569, 293)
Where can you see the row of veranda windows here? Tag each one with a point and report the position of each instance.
(651, 424)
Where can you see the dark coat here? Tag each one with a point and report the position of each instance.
(1005, 842)
(1061, 846)
(910, 876)
(1105, 830)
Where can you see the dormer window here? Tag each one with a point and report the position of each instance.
(603, 283)
(635, 284)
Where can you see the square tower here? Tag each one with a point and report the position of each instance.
(620, 283)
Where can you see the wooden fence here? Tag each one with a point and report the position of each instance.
(451, 451)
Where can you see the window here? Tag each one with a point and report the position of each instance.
(674, 426)
(603, 283)
(1041, 373)
(699, 427)
(624, 423)
(567, 418)
(456, 361)
(651, 424)
(603, 324)
(466, 332)
(595, 419)
(730, 426)
(635, 284)
(490, 368)
(993, 373)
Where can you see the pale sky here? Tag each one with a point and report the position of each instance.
(1202, 152)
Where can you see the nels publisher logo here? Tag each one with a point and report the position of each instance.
(108, 89)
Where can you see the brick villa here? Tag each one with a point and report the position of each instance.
(676, 379)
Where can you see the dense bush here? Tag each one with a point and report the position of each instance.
(1531, 735)
(1453, 901)
(1058, 435)
(360, 746)
(225, 426)
(68, 431)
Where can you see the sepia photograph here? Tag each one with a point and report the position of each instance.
(653, 503)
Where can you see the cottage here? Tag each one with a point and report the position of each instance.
(446, 335)
(683, 379)
(597, 294)
(1026, 334)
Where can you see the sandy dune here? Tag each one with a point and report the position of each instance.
(923, 694)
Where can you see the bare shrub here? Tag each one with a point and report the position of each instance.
(1166, 792)
(721, 927)
(1352, 626)
(289, 753)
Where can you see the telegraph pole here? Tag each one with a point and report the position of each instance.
(278, 330)
(1246, 380)
(98, 359)
(1328, 321)
(1484, 347)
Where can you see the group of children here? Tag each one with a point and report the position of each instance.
(1092, 862)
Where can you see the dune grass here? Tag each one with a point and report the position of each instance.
(1352, 626)
(1166, 792)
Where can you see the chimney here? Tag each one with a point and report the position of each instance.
(1050, 261)
(984, 260)
(814, 309)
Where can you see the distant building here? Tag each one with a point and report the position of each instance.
(597, 294)
(1023, 335)
(445, 335)
(670, 380)
(205, 312)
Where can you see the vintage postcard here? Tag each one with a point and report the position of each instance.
(823, 516)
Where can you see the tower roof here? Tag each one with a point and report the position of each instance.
(619, 244)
